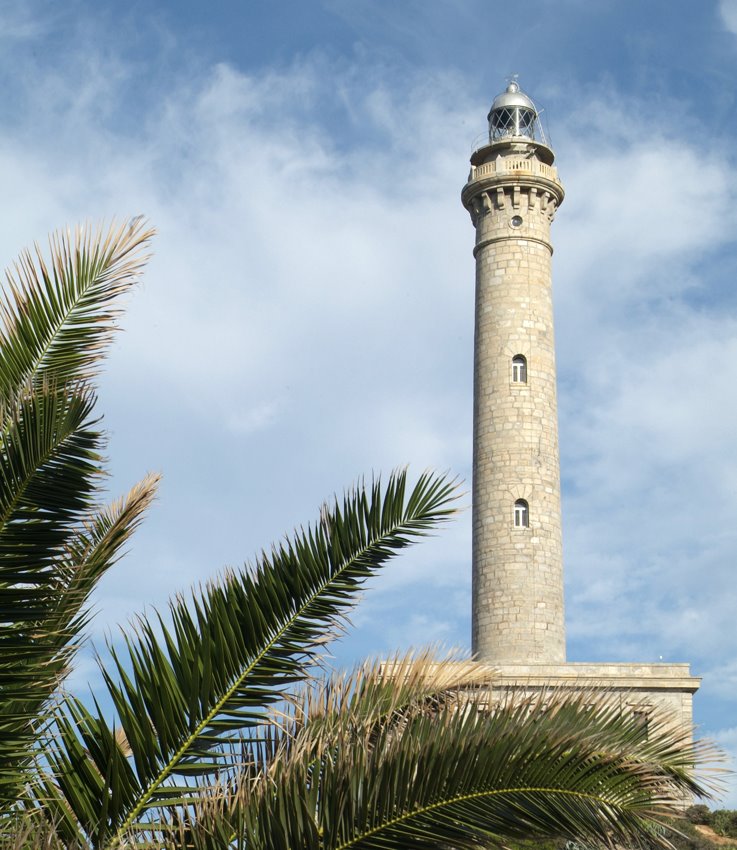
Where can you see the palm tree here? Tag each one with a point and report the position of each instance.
(221, 734)
(56, 538)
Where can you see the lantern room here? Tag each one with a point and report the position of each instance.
(513, 115)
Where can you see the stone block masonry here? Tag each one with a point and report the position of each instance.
(518, 612)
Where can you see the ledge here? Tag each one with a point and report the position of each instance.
(612, 676)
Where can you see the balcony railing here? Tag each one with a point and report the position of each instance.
(505, 165)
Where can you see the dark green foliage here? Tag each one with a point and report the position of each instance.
(722, 821)
(700, 814)
(688, 837)
(682, 834)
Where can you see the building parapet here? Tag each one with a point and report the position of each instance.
(609, 676)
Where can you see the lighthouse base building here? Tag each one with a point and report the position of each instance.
(643, 690)
(512, 195)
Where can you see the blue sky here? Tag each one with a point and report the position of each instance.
(307, 316)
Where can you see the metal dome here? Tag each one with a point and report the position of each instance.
(513, 96)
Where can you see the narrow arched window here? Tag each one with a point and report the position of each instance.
(521, 514)
(519, 369)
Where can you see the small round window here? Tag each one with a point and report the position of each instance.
(516, 221)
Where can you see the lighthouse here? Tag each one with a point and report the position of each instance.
(512, 194)
(518, 618)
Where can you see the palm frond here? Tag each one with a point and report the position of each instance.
(94, 548)
(375, 693)
(32, 831)
(43, 640)
(468, 775)
(49, 472)
(185, 693)
(59, 316)
(48, 466)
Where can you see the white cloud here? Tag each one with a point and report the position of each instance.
(20, 23)
(245, 422)
(728, 11)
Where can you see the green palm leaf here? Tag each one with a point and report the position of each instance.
(59, 316)
(93, 549)
(210, 747)
(185, 692)
(49, 466)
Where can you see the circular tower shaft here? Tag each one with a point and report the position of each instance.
(518, 616)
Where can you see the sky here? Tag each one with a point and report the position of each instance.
(307, 316)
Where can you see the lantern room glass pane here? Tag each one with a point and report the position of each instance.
(512, 121)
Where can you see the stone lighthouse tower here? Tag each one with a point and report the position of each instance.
(512, 194)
